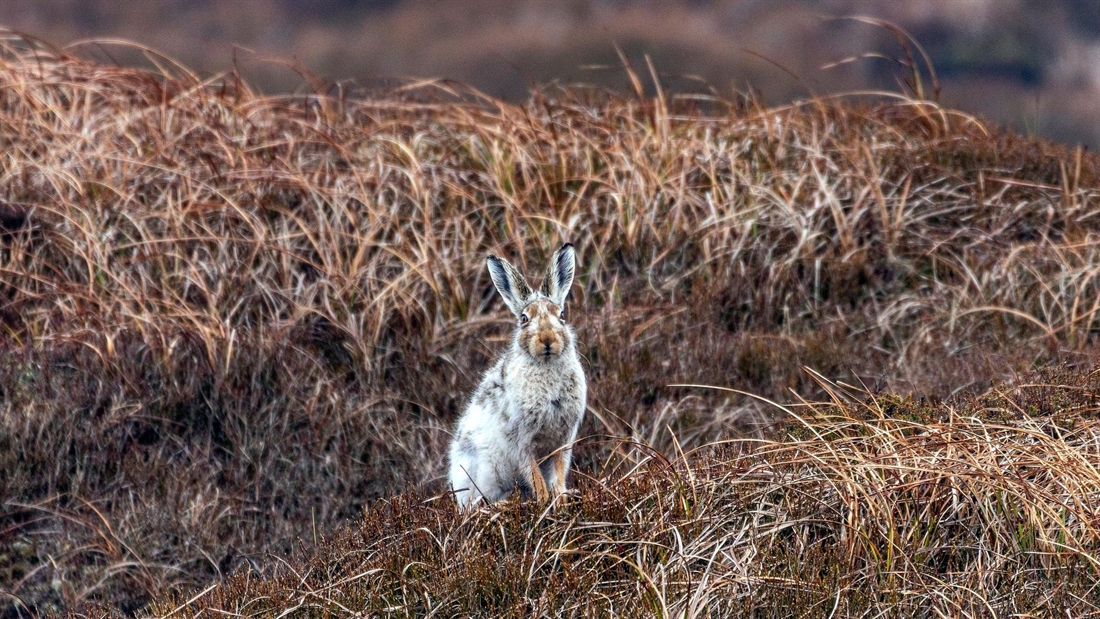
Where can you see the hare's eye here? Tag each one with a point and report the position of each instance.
(524, 319)
(561, 316)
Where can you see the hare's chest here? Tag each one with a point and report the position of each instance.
(546, 409)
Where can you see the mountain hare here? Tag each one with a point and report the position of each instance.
(518, 430)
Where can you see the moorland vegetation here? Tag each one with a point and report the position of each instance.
(840, 353)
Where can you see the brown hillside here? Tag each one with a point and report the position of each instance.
(229, 321)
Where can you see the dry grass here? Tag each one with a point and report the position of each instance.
(874, 508)
(231, 322)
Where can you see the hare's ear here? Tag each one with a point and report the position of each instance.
(559, 274)
(510, 284)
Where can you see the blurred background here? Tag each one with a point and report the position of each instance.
(1031, 65)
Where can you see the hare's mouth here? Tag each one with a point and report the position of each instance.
(543, 348)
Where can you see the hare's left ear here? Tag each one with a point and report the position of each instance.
(559, 274)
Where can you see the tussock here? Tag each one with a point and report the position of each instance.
(230, 322)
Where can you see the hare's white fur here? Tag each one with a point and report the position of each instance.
(518, 430)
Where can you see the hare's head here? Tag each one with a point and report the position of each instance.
(543, 332)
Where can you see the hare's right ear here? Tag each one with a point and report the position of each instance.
(510, 284)
(559, 274)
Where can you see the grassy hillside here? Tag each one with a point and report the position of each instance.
(887, 508)
(230, 323)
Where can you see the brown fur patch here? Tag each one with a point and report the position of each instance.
(559, 473)
(543, 335)
(538, 483)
